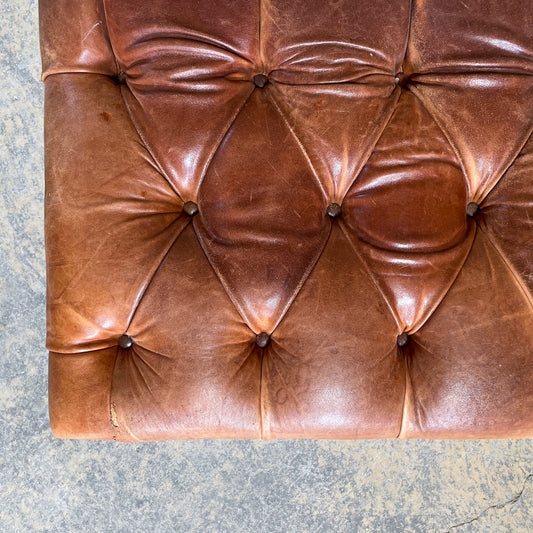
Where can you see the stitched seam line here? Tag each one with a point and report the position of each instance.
(262, 388)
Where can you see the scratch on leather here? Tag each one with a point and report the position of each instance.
(91, 30)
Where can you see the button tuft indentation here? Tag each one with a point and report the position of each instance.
(472, 209)
(125, 341)
(260, 80)
(262, 339)
(334, 210)
(190, 208)
(401, 79)
(403, 340)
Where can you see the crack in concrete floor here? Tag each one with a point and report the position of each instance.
(507, 503)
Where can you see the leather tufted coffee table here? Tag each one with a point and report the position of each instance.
(274, 218)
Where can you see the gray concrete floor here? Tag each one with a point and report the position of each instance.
(233, 486)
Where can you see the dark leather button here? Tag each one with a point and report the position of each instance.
(122, 77)
(472, 209)
(125, 341)
(401, 79)
(334, 210)
(262, 339)
(260, 80)
(190, 208)
(403, 340)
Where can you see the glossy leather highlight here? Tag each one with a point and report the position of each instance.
(286, 219)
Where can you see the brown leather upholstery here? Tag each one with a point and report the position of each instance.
(274, 218)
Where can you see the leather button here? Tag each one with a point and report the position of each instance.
(403, 340)
(190, 208)
(260, 80)
(472, 209)
(122, 77)
(125, 341)
(334, 210)
(401, 79)
(262, 339)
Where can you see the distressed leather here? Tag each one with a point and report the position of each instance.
(201, 280)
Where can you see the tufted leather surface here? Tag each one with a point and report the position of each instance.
(201, 281)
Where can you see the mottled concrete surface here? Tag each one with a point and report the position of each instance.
(52, 485)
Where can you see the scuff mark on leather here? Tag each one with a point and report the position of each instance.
(113, 413)
(93, 27)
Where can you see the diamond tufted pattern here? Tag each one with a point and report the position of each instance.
(278, 218)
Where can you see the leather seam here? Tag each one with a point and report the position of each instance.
(218, 274)
(409, 26)
(77, 72)
(370, 150)
(142, 292)
(220, 141)
(146, 144)
(445, 292)
(428, 106)
(305, 276)
(318, 255)
(407, 390)
(222, 281)
(300, 145)
(507, 167)
(290, 391)
(115, 424)
(259, 40)
(395, 318)
(108, 37)
(505, 260)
